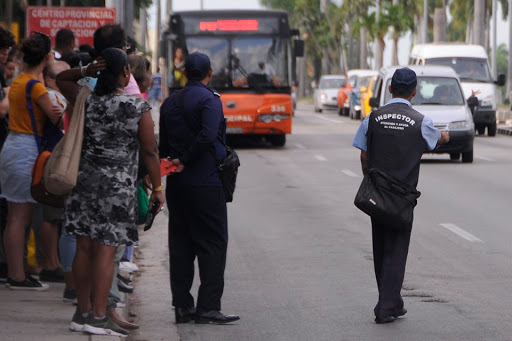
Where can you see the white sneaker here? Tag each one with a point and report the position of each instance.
(120, 304)
(128, 267)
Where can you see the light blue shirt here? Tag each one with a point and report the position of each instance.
(430, 133)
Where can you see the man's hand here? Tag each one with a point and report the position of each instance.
(179, 166)
(445, 137)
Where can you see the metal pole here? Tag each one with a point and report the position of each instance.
(479, 23)
(509, 75)
(425, 21)
(129, 17)
(8, 9)
(202, 5)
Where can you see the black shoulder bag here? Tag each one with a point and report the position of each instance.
(384, 197)
(228, 168)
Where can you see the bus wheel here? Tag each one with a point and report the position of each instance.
(277, 140)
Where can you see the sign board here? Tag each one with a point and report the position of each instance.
(83, 21)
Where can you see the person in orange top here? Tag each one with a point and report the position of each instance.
(19, 153)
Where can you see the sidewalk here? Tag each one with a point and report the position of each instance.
(504, 117)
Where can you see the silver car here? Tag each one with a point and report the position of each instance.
(440, 97)
(325, 95)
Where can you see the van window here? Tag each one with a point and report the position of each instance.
(435, 91)
(332, 83)
(468, 69)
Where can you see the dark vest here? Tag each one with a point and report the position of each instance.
(396, 144)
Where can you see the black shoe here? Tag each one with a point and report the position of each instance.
(56, 276)
(184, 315)
(387, 319)
(3, 272)
(124, 279)
(124, 287)
(214, 317)
(401, 313)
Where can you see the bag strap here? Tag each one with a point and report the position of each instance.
(369, 139)
(181, 106)
(30, 85)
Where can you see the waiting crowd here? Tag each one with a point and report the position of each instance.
(85, 243)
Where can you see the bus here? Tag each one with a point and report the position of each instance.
(252, 53)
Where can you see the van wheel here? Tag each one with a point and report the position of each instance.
(277, 140)
(454, 156)
(358, 114)
(491, 129)
(467, 157)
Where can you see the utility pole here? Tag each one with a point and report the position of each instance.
(479, 23)
(202, 5)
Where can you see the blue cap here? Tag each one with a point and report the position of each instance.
(404, 78)
(197, 66)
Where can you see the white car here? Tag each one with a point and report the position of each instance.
(325, 95)
(440, 97)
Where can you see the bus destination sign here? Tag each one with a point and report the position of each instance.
(229, 25)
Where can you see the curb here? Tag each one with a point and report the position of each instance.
(505, 131)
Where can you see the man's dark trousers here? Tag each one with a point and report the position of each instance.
(197, 228)
(390, 249)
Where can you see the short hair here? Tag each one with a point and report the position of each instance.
(85, 48)
(64, 38)
(35, 48)
(401, 91)
(6, 39)
(110, 35)
(133, 45)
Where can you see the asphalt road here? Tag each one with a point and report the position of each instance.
(300, 261)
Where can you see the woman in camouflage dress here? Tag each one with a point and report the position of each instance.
(101, 210)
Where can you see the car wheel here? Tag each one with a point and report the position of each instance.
(480, 128)
(358, 115)
(345, 111)
(277, 140)
(467, 157)
(491, 129)
(454, 156)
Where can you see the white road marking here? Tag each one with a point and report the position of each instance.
(486, 158)
(327, 119)
(464, 234)
(298, 145)
(320, 158)
(350, 173)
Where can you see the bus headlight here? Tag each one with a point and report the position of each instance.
(268, 118)
(487, 102)
(460, 125)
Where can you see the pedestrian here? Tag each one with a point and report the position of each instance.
(192, 134)
(100, 210)
(64, 42)
(398, 153)
(19, 154)
(155, 91)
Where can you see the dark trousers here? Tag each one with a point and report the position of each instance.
(197, 228)
(390, 249)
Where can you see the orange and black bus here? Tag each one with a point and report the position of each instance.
(253, 61)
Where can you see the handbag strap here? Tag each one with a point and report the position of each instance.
(30, 85)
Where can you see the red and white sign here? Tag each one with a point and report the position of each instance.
(83, 21)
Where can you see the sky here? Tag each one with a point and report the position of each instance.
(404, 44)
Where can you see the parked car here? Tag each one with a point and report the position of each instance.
(324, 96)
(440, 97)
(345, 93)
(361, 85)
(366, 94)
(472, 66)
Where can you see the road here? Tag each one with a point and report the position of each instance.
(299, 258)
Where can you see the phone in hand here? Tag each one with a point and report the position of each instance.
(150, 216)
(166, 166)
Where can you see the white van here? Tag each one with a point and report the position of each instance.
(472, 66)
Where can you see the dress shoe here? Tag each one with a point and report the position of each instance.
(184, 315)
(387, 319)
(119, 320)
(401, 313)
(214, 317)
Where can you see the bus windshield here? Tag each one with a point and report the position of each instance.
(468, 69)
(244, 61)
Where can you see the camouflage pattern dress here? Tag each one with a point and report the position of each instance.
(103, 205)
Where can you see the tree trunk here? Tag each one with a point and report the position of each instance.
(379, 53)
(363, 54)
(509, 76)
(439, 25)
(479, 23)
(394, 54)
